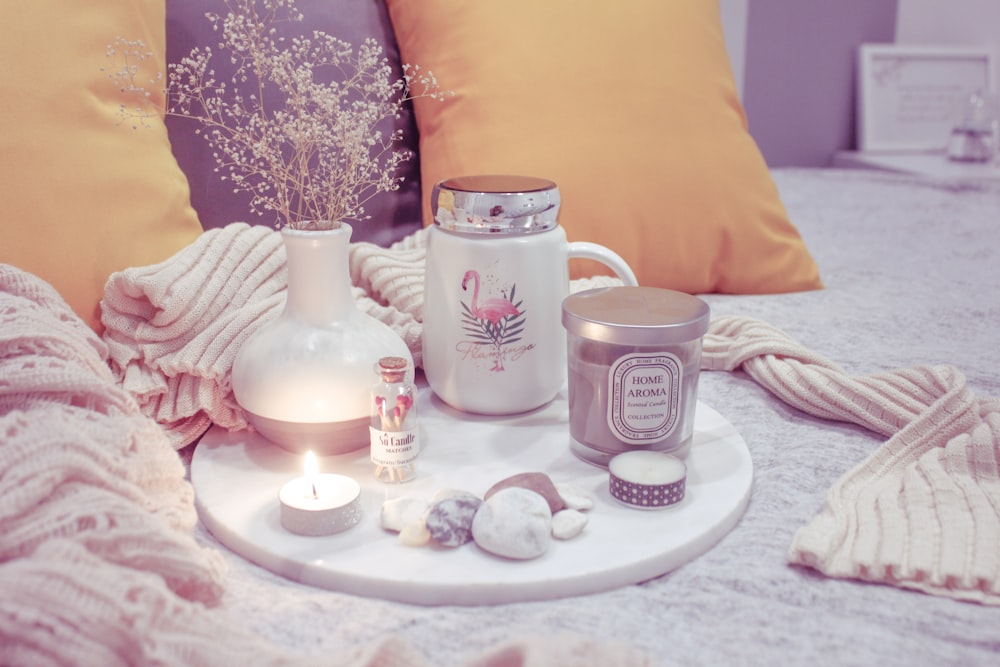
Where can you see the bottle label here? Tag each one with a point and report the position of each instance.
(644, 396)
(394, 448)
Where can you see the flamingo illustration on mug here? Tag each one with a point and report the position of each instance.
(497, 321)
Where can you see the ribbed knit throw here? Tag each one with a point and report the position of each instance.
(173, 329)
(922, 512)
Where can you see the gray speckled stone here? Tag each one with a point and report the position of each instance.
(450, 520)
(441, 494)
(514, 523)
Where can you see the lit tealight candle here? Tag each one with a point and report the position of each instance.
(318, 504)
(647, 480)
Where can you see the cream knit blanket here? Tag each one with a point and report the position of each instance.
(98, 565)
(96, 520)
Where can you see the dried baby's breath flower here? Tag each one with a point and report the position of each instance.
(319, 154)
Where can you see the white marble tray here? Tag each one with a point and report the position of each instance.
(237, 476)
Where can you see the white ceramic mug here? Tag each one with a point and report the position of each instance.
(496, 275)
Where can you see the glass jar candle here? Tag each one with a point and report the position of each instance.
(634, 354)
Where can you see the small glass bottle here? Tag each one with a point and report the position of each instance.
(395, 442)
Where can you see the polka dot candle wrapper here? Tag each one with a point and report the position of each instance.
(647, 479)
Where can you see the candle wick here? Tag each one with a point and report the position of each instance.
(315, 495)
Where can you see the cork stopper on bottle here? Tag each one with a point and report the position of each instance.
(393, 369)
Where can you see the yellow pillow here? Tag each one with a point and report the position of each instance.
(81, 197)
(631, 108)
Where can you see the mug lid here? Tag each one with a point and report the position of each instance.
(495, 204)
(635, 315)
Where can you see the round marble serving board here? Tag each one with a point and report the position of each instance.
(237, 475)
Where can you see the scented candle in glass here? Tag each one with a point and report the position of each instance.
(634, 355)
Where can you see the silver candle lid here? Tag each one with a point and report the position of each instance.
(495, 204)
(635, 315)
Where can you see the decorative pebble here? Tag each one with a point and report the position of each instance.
(450, 520)
(573, 498)
(398, 512)
(442, 494)
(538, 482)
(567, 524)
(647, 479)
(514, 523)
(415, 534)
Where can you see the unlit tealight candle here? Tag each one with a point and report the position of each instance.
(647, 479)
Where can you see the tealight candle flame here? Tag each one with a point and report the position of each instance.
(312, 471)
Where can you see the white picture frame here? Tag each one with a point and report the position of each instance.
(908, 95)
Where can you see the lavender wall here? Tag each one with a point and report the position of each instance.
(799, 74)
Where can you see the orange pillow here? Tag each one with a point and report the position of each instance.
(631, 108)
(81, 197)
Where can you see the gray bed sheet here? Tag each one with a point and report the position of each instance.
(912, 274)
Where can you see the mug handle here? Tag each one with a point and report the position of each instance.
(607, 257)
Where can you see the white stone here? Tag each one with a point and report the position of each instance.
(514, 523)
(567, 524)
(538, 482)
(574, 498)
(415, 534)
(398, 512)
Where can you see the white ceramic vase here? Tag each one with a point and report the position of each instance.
(304, 379)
